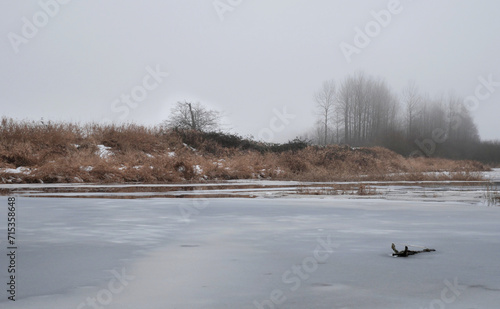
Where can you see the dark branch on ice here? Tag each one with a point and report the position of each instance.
(406, 252)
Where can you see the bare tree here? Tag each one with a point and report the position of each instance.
(186, 115)
(325, 102)
(367, 112)
(369, 109)
(345, 101)
(412, 100)
(461, 125)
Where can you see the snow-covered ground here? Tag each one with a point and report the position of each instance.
(290, 252)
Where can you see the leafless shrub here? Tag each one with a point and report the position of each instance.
(366, 190)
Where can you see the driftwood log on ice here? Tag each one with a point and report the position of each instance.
(407, 252)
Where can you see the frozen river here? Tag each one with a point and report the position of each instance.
(251, 253)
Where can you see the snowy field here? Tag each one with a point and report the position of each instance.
(291, 252)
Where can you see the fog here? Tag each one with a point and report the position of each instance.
(79, 60)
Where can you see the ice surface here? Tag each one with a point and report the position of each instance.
(236, 253)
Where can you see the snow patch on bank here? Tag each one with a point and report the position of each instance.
(104, 152)
(197, 169)
(19, 170)
(87, 168)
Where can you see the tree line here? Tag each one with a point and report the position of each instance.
(362, 110)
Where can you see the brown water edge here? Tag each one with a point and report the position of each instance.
(232, 190)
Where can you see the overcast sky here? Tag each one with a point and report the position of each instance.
(78, 61)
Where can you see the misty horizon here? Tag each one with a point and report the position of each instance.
(248, 60)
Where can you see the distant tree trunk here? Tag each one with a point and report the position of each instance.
(326, 129)
(337, 126)
(346, 122)
(325, 103)
(412, 99)
(193, 122)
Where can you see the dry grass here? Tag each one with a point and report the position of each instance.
(338, 189)
(492, 195)
(66, 152)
